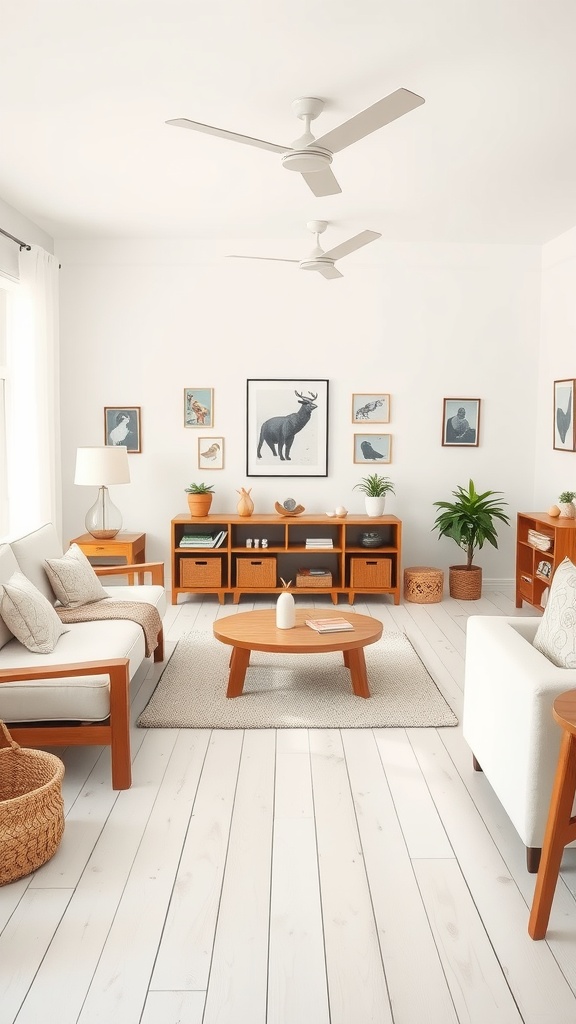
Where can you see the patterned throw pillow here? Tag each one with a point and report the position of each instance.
(556, 633)
(73, 579)
(30, 616)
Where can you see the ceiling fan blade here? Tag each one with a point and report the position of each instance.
(370, 120)
(345, 248)
(197, 126)
(322, 183)
(328, 271)
(274, 259)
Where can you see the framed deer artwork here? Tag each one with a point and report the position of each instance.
(287, 427)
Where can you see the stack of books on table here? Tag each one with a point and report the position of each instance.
(203, 540)
(333, 625)
(319, 542)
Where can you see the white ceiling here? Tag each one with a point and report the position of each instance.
(87, 85)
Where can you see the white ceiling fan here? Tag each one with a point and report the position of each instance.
(319, 260)
(312, 157)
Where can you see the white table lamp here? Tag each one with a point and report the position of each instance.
(100, 467)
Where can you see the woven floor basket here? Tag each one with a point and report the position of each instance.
(31, 808)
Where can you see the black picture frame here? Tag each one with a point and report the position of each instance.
(461, 423)
(305, 454)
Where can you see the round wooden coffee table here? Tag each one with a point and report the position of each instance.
(257, 631)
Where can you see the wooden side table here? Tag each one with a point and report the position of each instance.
(131, 546)
(561, 825)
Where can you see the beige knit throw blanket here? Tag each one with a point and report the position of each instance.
(109, 608)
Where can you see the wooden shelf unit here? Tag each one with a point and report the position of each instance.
(229, 568)
(530, 584)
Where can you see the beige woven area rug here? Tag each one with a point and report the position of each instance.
(294, 691)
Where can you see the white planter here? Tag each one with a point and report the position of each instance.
(285, 611)
(567, 510)
(375, 506)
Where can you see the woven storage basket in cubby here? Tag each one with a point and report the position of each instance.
(256, 572)
(31, 808)
(200, 572)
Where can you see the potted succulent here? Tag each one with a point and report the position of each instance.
(199, 499)
(470, 522)
(565, 504)
(375, 488)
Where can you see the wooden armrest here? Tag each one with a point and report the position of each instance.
(78, 668)
(155, 569)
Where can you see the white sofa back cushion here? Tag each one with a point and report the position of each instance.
(31, 550)
(8, 566)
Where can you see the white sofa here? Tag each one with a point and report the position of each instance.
(79, 693)
(509, 689)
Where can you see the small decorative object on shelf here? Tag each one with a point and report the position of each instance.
(245, 505)
(553, 511)
(371, 539)
(338, 513)
(199, 499)
(566, 504)
(288, 508)
(285, 608)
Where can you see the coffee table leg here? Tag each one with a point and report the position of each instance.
(238, 664)
(357, 665)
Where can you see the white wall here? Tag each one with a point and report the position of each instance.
(140, 321)
(555, 470)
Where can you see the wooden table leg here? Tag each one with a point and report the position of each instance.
(238, 664)
(357, 665)
(559, 832)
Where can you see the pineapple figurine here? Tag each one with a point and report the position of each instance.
(245, 505)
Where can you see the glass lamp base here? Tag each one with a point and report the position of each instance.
(103, 520)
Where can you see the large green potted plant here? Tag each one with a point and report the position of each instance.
(375, 488)
(470, 521)
(199, 499)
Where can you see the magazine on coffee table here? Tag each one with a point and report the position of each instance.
(334, 625)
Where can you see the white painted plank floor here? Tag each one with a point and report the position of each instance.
(291, 876)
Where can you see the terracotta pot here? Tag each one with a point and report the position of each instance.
(465, 582)
(199, 505)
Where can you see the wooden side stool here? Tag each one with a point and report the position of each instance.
(561, 825)
(423, 585)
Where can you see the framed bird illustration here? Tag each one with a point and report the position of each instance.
(210, 453)
(564, 433)
(372, 448)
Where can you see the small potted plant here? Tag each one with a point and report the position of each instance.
(469, 521)
(375, 488)
(199, 499)
(565, 504)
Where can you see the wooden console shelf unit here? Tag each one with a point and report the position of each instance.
(233, 568)
(533, 578)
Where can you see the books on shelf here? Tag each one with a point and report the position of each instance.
(203, 540)
(319, 542)
(314, 572)
(332, 625)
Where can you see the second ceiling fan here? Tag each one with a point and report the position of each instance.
(319, 260)
(312, 157)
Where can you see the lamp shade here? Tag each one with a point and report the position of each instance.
(102, 466)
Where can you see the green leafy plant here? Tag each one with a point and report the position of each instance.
(470, 519)
(567, 496)
(199, 489)
(375, 486)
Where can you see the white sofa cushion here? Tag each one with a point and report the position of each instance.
(8, 566)
(29, 615)
(73, 579)
(556, 635)
(31, 551)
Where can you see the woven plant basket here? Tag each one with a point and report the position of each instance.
(465, 582)
(31, 808)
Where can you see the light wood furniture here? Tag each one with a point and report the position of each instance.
(561, 825)
(530, 583)
(235, 569)
(257, 631)
(131, 546)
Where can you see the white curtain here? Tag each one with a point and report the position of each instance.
(33, 428)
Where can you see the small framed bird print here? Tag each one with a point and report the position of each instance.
(210, 453)
(461, 422)
(372, 448)
(122, 427)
